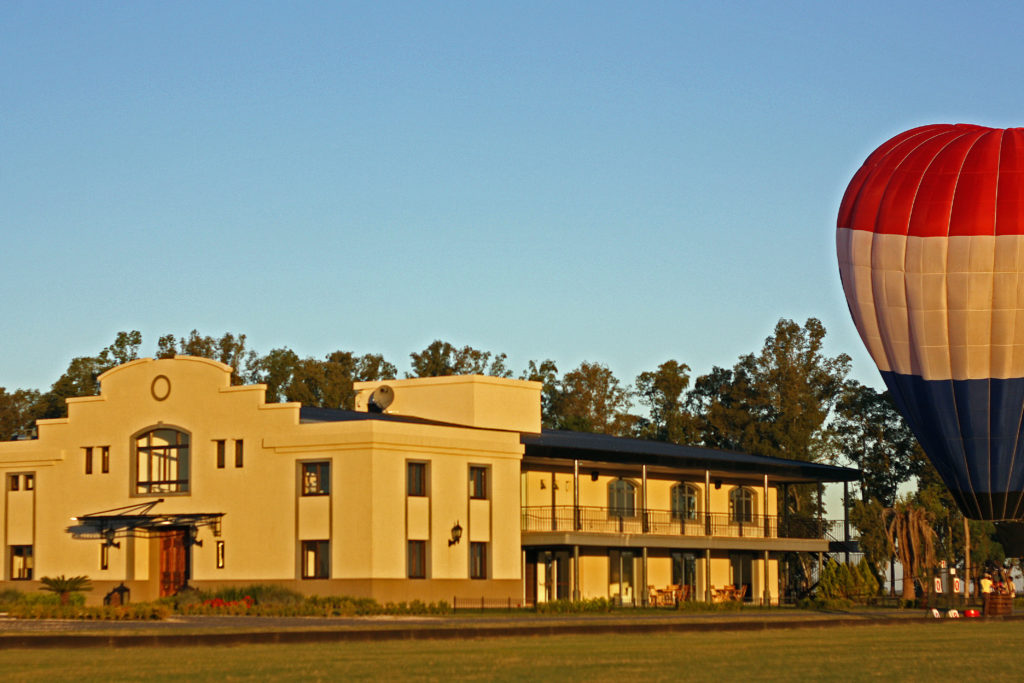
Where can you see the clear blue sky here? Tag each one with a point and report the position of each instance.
(616, 182)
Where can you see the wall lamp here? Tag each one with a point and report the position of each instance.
(718, 484)
(456, 534)
(594, 475)
(108, 539)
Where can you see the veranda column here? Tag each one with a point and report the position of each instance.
(576, 573)
(643, 586)
(576, 495)
(707, 502)
(707, 575)
(767, 532)
(846, 521)
(643, 502)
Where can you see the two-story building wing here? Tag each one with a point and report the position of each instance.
(431, 489)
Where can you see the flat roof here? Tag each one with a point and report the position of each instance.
(563, 445)
(555, 444)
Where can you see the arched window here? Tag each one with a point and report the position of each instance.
(685, 501)
(621, 498)
(741, 505)
(161, 461)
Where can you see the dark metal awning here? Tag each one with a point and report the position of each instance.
(136, 520)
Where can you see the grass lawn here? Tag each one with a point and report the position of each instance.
(914, 651)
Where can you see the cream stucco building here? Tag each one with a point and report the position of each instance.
(432, 489)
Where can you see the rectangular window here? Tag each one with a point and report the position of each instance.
(478, 483)
(12, 482)
(30, 482)
(221, 454)
(104, 556)
(105, 459)
(316, 478)
(417, 559)
(316, 559)
(21, 563)
(238, 452)
(416, 479)
(478, 560)
(220, 554)
(88, 460)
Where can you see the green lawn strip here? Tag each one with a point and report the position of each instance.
(911, 651)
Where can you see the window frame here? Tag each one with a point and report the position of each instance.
(478, 560)
(478, 482)
(239, 453)
(182, 486)
(742, 495)
(322, 478)
(618, 508)
(321, 551)
(421, 489)
(105, 459)
(88, 459)
(14, 481)
(221, 446)
(685, 502)
(416, 559)
(27, 567)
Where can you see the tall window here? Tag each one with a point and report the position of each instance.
(161, 462)
(741, 505)
(621, 498)
(478, 482)
(316, 559)
(88, 459)
(21, 562)
(239, 452)
(221, 454)
(417, 559)
(316, 478)
(105, 459)
(416, 479)
(685, 502)
(477, 560)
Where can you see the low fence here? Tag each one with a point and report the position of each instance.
(481, 604)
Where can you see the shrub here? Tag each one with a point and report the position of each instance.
(568, 606)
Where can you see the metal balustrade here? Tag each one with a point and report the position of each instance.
(606, 520)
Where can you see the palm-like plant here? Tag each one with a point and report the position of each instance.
(911, 538)
(65, 586)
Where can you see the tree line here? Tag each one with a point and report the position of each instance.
(789, 399)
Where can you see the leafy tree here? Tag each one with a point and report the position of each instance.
(275, 370)
(321, 383)
(874, 437)
(661, 392)
(65, 586)
(545, 372)
(441, 359)
(591, 399)
(228, 349)
(18, 412)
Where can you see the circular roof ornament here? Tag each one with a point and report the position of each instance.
(160, 388)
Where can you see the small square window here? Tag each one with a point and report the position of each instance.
(417, 559)
(88, 460)
(105, 459)
(316, 559)
(478, 483)
(221, 454)
(416, 480)
(21, 563)
(316, 478)
(30, 482)
(239, 449)
(478, 560)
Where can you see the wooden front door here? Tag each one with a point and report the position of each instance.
(173, 561)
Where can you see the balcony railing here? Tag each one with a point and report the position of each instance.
(664, 522)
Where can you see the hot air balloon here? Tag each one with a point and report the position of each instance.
(930, 239)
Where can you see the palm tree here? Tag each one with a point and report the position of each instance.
(908, 528)
(65, 586)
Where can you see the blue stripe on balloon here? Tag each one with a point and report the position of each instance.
(972, 433)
